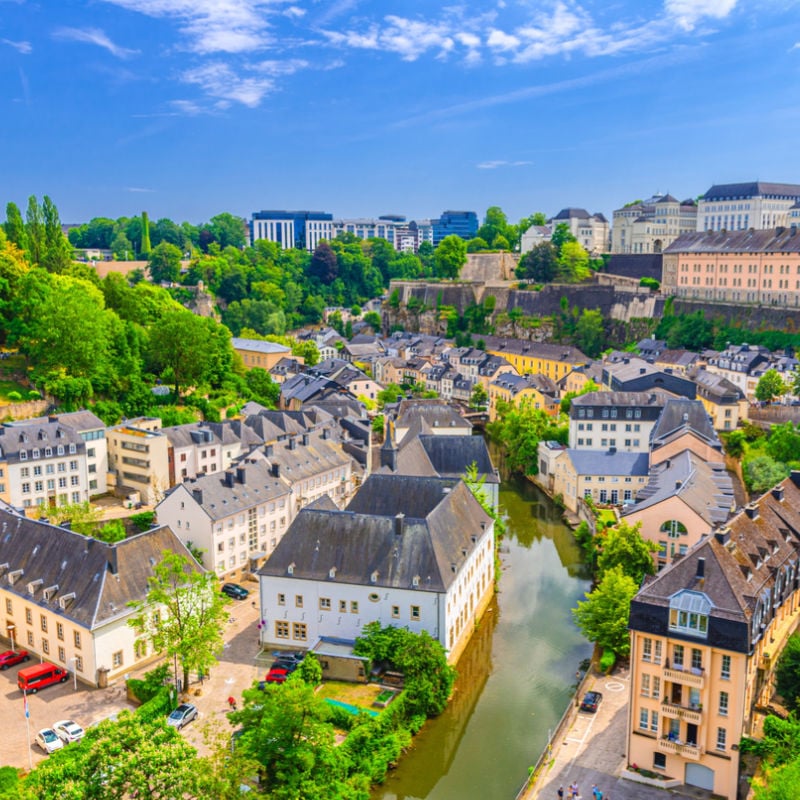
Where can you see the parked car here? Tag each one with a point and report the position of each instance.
(234, 591)
(277, 675)
(48, 741)
(590, 702)
(182, 715)
(11, 657)
(31, 679)
(68, 731)
(290, 665)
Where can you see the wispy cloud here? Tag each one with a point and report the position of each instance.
(22, 47)
(212, 26)
(502, 163)
(219, 80)
(138, 190)
(93, 36)
(687, 13)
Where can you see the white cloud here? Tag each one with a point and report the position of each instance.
(294, 12)
(93, 36)
(138, 190)
(275, 68)
(502, 41)
(687, 13)
(22, 47)
(212, 26)
(219, 80)
(502, 163)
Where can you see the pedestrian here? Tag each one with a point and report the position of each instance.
(232, 703)
(560, 793)
(574, 789)
(595, 791)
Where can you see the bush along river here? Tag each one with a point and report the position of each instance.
(517, 675)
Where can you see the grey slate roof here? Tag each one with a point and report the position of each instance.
(79, 421)
(523, 347)
(259, 346)
(369, 540)
(436, 413)
(772, 240)
(604, 462)
(104, 577)
(680, 415)
(706, 488)
(729, 191)
(38, 436)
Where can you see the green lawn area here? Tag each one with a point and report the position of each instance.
(7, 386)
(356, 694)
(604, 516)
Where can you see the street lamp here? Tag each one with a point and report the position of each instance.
(11, 627)
(74, 662)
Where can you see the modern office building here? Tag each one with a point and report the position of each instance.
(458, 223)
(740, 206)
(301, 229)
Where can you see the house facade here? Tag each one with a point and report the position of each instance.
(551, 360)
(758, 205)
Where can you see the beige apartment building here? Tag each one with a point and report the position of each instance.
(757, 267)
(651, 225)
(138, 455)
(706, 633)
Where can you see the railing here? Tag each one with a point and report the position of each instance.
(678, 711)
(693, 677)
(691, 751)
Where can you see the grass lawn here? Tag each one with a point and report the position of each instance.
(357, 694)
(7, 386)
(604, 516)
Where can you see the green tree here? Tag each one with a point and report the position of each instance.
(15, 227)
(324, 264)
(603, 616)
(164, 263)
(262, 388)
(145, 247)
(57, 253)
(540, 264)
(735, 443)
(228, 230)
(787, 675)
(784, 443)
(624, 547)
(780, 783)
(561, 235)
(183, 615)
(573, 262)
(34, 231)
(763, 473)
(770, 385)
(495, 224)
(117, 760)
(121, 247)
(590, 334)
(477, 245)
(450, 256)
(479, 397)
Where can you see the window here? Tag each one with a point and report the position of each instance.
(298, 601)
(722, 737)
(9, 606)
(26, 488)
(725, 670)
(647, 650)
(76, 635)
(645, 685)
(343, 606)
(281, 630)
(354, 606)
(45, 647)
(116, 659)
(299, 631)
(677, 656)
(139, 649)
(723, 704)
(60, 630)
(30, 638)
(654, 721)
(697, 659)
(656, 686)
(415, 612)
(79, 663)
(281, 599)
(325, 603)
(29, 616)
(395, 612)
(659, 760)
(644, 719)
(62, 654)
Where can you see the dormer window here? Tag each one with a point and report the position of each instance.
(48, 451)
(689, 612)
(72, 448)
(23, 455)
(60, 450)
(36, 452)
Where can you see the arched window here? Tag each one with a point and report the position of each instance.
(673, 529)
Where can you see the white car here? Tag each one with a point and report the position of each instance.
(48, 741)
(68, 731)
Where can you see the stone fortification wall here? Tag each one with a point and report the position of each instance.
(753, 318)
(487, 267)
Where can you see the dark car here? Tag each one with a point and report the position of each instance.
(11, 657)
(590, 701)
(235, 591)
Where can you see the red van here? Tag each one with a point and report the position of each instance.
(31, 679)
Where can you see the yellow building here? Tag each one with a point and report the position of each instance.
(724, 402)
(705, 635)
(258, 353)
(554, 361)
(537, 391)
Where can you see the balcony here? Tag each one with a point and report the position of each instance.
(686, 713)
(690, 751)
(688, 677)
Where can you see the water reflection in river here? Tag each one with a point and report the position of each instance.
(517, 675)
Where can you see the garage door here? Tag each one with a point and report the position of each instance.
(698, 775)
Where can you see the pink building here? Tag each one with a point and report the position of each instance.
(749, 267)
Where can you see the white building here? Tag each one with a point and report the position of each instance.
(414, 552)
(591, 230)
(740, 206)
(651, 225)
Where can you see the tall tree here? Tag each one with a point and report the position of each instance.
(324, 264)
(590, 334)
(164, 263)
(540, 264)
(15, 227)
(34, 231)
(770, 385)
(228, 230)
(57, 254)
(183, 614)
(603, 615)
(450, 256)
(624, 547)
(787, 675)
(146, 246)
(562, 235)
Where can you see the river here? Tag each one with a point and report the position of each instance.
(518, 673)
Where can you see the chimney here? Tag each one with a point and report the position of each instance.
(701, 569)
(723, 535)
(305, 440)
(642, 370)
(399, 521)
(751, 510)
(293, 443)
(112, 559)
(388, 452)
(276, 470)
(197, 494)
(777, 493)
(326, 434)
(268, 451)
(230, 479)
(241, 474)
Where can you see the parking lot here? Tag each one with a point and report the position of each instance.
(239, 665)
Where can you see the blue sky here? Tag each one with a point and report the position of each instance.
(186, 108)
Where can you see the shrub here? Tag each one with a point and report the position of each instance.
(9, 782)
(14, 397)
(143, 520)
(158, 706)
(607, 660)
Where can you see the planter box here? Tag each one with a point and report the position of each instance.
(668, 783)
